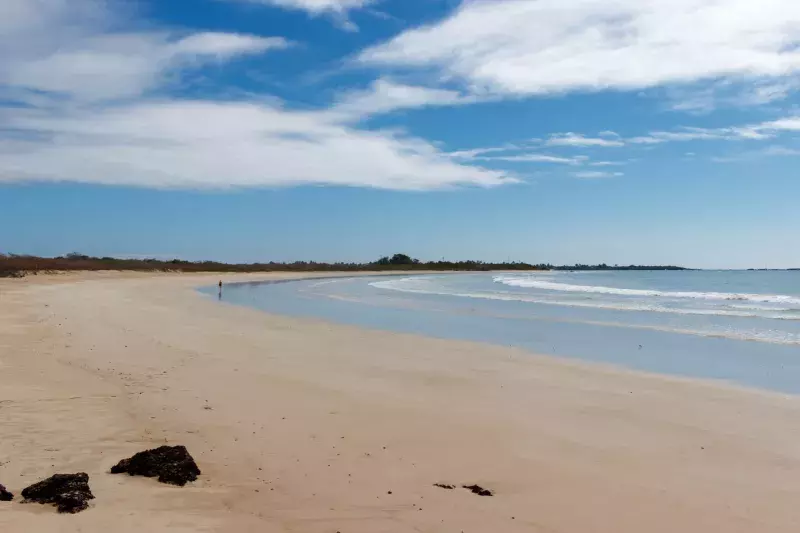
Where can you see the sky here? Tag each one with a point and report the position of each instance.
(561, 131)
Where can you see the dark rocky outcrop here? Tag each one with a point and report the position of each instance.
(477, 489)
(70, 493)
(444, 486)
(170, 464)
(5, 496)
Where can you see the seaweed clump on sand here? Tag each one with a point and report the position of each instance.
(477, 489)
(170, 464)
(70, 493)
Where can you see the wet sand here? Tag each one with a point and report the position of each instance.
(304, 426)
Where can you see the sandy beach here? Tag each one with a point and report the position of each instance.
(304, 426)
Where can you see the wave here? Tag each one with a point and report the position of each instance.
(534, 283)
(742, 312)
(769, 336)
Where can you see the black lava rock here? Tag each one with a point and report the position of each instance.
(5, 496)
(170, 464)
(480, 491)
(70, 493)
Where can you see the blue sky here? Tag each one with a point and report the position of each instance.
(618, 131)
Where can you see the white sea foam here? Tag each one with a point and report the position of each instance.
(423, 286)
(418, 285)
(537, 283)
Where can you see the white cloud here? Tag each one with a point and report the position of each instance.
(223, 45)
(784, 124)
(17, 17)
(212, 144)
(592, 174)
(645, 140)
(690, 134)
(706, 97)
(386, 96)
(758, 132)
(740, 133)
(770, 151)
(525, 47)
(91, 113)
(119, 66)
(70, 48)
(316, 7)
(693, 99)
(537, 158)
(749, 132)
(608, 163)
(575, 139)
(685, 134)
(476, 153)
(767, 93)
(337, 8)
(703, 98)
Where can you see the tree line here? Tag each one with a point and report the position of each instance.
(21, 265)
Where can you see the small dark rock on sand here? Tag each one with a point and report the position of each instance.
(477, 489)
(444, 486)
(5, 496)
(70, 493)
(170, 464)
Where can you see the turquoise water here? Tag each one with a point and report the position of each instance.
(742, 327)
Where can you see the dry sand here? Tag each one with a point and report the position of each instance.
(304, 426)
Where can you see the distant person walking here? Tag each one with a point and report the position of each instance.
(220, 290)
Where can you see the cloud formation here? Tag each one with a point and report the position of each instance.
(701, 99)
(84, 105)
(522, 47)
(316, 7)
(608, 163)
(71, 48)
(386, 96)
(519, 152)
(202, 144)
(757, 132)
(596, 174)
(538, 158)
(87, 94)
(575, 139)
(338, 9)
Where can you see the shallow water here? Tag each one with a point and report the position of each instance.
(742, 327)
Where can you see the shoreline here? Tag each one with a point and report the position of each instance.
(685, 351)
(310, 424)
(557, 359)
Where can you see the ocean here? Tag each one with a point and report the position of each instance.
(738, 326)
